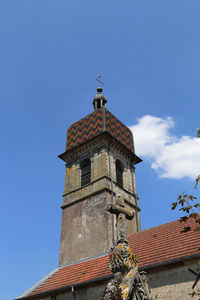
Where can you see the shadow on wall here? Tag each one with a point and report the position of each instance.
(171, 276)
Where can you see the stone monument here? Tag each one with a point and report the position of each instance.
(128, 283)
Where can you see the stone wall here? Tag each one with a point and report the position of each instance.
(103, 165)
(129, 191)
(86, 229)
(99, 168)
(172, 284)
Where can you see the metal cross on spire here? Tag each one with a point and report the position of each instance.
(98, 78)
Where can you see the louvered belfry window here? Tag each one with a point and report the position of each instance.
(119, 173)
(85, 171)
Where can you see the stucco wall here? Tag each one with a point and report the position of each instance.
(86, 229)
(85, 293)
(172, 284)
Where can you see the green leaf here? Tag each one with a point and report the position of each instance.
(182, 201)
(186, 208)
(197, 229)
(191, 197)
(174, 205)
(186, 229)
(198, 132)
(197, 205)
(193, 215)
(183, 219)
(192, 294)
(197, 182)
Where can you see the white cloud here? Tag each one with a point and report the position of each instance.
(171, 157)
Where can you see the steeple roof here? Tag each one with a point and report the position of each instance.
(98, 122)
(85, 129)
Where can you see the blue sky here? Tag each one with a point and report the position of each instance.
(51, 51)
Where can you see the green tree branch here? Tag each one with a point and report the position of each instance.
(190, 206)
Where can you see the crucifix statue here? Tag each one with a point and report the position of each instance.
(122, 214)
(127, 283)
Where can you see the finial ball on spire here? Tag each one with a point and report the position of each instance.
(99, 100)
(99, 89)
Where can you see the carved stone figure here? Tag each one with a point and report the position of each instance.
(128, 283)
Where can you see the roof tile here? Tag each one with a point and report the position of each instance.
(93, 125)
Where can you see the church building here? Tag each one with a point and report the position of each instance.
(100, 164)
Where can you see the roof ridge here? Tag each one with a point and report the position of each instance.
(83, 260)
(118, 120)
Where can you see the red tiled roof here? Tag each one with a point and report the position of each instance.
(152, 246)
(164, 243)
(94, 124)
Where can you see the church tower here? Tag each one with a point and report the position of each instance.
(100, 160)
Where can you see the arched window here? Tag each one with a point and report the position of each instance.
(119, 173)
(85, 171)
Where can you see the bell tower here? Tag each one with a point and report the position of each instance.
(100, 160)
